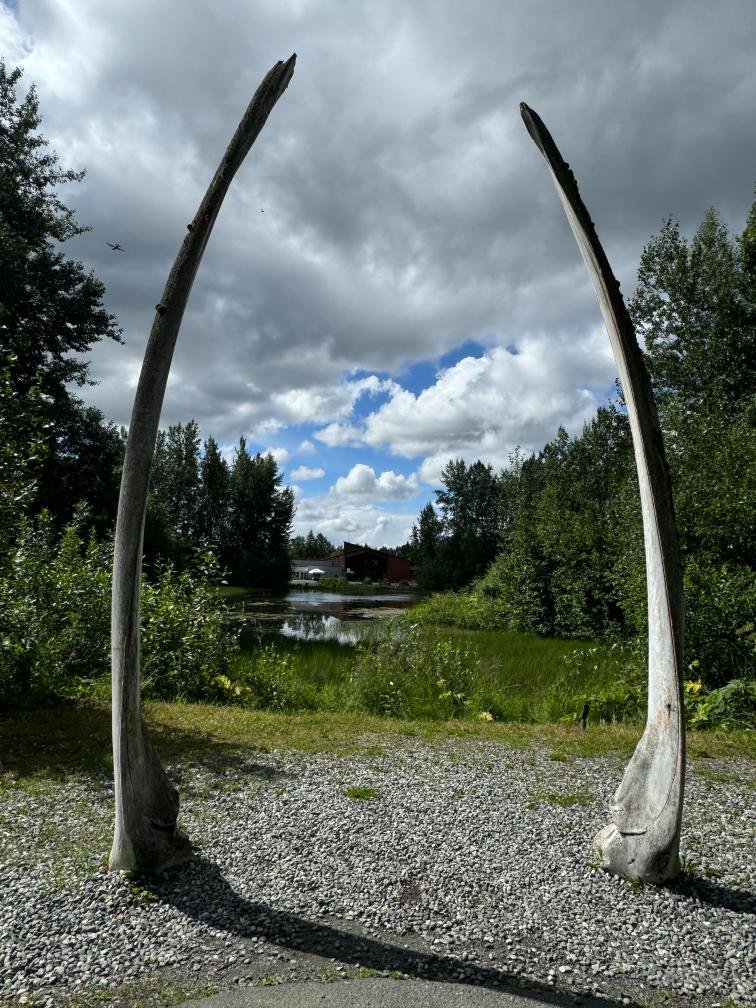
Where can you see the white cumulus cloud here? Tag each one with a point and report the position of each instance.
(483, 407)
(361, 481)
(279, 454)
(339, 435)
(339, 519)
(306, 473)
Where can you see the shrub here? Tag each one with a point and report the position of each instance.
(267, 680)
(409, 673)
(720, 599)
(55, 620)
(621, 697)
(186, 641)
(730, 706)
(55, 611)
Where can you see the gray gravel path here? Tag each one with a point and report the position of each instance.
(471, 863)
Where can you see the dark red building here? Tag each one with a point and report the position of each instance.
(360, 563)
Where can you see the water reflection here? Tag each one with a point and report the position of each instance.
(321, 616)
(320, 628)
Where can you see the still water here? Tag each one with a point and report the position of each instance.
(320, 616)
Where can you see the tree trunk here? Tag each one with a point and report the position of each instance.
(146, 836)
(642, 841)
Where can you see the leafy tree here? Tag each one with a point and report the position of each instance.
(21, 447)
(696, 308)
(571, 560)
(83, 463)
(469, 512)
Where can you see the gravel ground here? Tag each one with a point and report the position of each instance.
(470, 861)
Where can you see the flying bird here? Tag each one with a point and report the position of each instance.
(116, 247)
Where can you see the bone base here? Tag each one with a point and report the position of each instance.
(637, 856)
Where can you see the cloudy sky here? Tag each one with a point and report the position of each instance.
(391, 282)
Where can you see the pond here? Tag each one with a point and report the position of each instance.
(320, 615)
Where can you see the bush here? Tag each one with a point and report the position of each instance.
(468, 610)
(55, 606)
(720, 599)
(186, 641)
(55, 620)
(408, 673)
(730, 706)
(612, 681)
(267, 681)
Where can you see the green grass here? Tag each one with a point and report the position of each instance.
(39, 748)
(325, 665)
(560, 799)
(156, 991)
(361, 793)
(427, 672)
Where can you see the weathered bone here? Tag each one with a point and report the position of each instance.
(146, 836)
(642, 841)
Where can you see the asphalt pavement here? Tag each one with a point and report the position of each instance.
(376, 992)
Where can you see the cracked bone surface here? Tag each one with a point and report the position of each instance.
(146, 836)
(642, 841)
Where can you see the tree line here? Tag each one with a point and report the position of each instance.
(239, 510)
(553, 544)
(59, 456)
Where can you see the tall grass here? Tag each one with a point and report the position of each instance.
(411, 671)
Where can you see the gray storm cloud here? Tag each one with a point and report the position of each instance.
(392, 208)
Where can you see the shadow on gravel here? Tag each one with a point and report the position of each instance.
(200, 891)
(703, 890)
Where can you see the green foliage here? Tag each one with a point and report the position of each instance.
(55, 620)
(731, 706)
(469, 610)
(409, 673)
(186, 643)
(261, 513)
(311, 547)
(215, 479)
(21, 448)
(55, 606)
(452, 547)
(571, 560)
(612, 682)
(721, 600)
(51, 312)
(269, 682)
(242, 513)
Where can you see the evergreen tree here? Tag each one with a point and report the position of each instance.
(260, 520)
(426, 545)
(215, 480)
(51, 312)
(173, 527)
(311, 546)
(469, 511)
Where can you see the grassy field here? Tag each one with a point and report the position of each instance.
(44, 745)
(437, 673)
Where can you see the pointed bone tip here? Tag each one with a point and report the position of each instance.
(531, 118)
